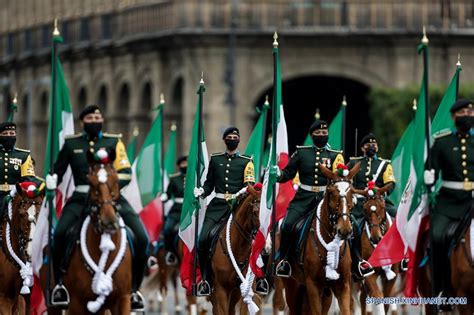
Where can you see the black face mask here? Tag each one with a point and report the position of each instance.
(464, 123)
(320, 141)
(7, 142)
(183, 169)
(371, 151)
(92, 129)
(232, 144)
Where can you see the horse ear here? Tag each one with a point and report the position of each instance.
(384, 189)
(354, 171)
(327, 173)
(361, 192)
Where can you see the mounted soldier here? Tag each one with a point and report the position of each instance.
(372, 168)
(452, 160)
(73, 154)
(305, 161)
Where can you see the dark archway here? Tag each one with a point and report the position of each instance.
(302, 96)
(146, 101)
(82, 98)
(124, 99)
(102, 99)
(44, 106)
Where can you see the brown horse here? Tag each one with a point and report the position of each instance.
(102, 228)
(244, 224)
(16, 232)
(462, 270)
(377, 222)
(326, 252)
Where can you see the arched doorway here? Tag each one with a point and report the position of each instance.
(303, 95)
(82, 98)
(102, 99)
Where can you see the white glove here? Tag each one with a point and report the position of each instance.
(429, 177)
(198, 191)
(277, 170)
(51, 181)
(240, 192)
(164, 197)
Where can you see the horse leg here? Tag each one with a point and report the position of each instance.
(77, 308)
(373, 290)
(343, 295)
(192, 305)
(21, 305)
(220, 301)
(326, 300)
(314, 292)
(174, 282)
(278, 297)
(6, 306)
(122, 306)
(389, 291)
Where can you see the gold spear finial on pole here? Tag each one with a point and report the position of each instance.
(173, 126)
(162, 98)
(15, 99)
(275, 41)
(344, 102)
(266, 100)
(414, 104)
(424, 40)
(317, 116)
(202, 78)
(56, 30)
(136, 131)
(458, 64)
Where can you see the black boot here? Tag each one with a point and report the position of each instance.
(59, 295)
(138, 266)
(283, 268)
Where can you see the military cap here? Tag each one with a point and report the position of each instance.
(181, 159)
(231, 131)
(462, 103)
(89, 110)
(370, 138)
(7, 126)
(318, 124)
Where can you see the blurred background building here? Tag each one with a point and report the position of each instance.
(121, 54)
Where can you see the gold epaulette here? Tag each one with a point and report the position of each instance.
(112, 135)
(356, 157)
(442, 133)
(304, 146)
(246, 157)
(77, 135)
(218, 153)
(336, 151)
(22, 150)
(175, 175)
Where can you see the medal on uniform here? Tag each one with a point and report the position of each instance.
(15, 167)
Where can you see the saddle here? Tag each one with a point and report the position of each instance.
(300, 230)
(213, 236)
(456, 230)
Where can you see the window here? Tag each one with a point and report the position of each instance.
(84, 30)
(64, 30)
(106, 24)
(45, 36)
(28, 40)
(10, 44)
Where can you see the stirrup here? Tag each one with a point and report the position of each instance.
(262, 287)
(404, 264)
(283, 269)
(204, 288)
(140, 301)
(60, 296)
(152, 263)
(366, 271)
(171, 259)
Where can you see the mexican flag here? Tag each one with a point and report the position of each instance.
(256, 144)
(278, 156)
(58, 128)
(196, 173)
(132, 146)
(336, 129)
(142, 191)
(169, 163)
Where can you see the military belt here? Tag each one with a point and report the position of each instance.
(467, 186)
(6, 187)
(178, 200)
(226, 196)
(82, 189)
(312, 188)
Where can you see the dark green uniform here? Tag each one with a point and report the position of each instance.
(175, 192)
(16, 166)
(369, 168)
(73, 153)
(226, 175)
(452, 156)
(305, 161)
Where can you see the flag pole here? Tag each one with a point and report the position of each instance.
(198, 182)
(162, 107)
(458, 69)
(51, 159)
(265, 107)
(275, 107)
(343, 142)
(356, 132)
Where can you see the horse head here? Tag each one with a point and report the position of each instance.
(26, 202)
(339, 198)
(374, 210)
(104, 190)
(248, 208)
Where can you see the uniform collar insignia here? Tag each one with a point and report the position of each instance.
(100, 136)
(232, 155)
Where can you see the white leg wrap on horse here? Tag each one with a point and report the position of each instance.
(247, 282)
(102, 281)
(332, 256)
(389, 272)
(379, 309)
(26, 271)
(193, 309)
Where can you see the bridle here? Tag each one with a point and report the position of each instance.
(334, 215)
(248, 236)
(382, 220)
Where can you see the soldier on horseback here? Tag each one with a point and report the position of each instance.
(452, 155)
(228, 174)
(372, 168)
(18, 164)
(305, 161)
(174, 193)
(73, 154)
